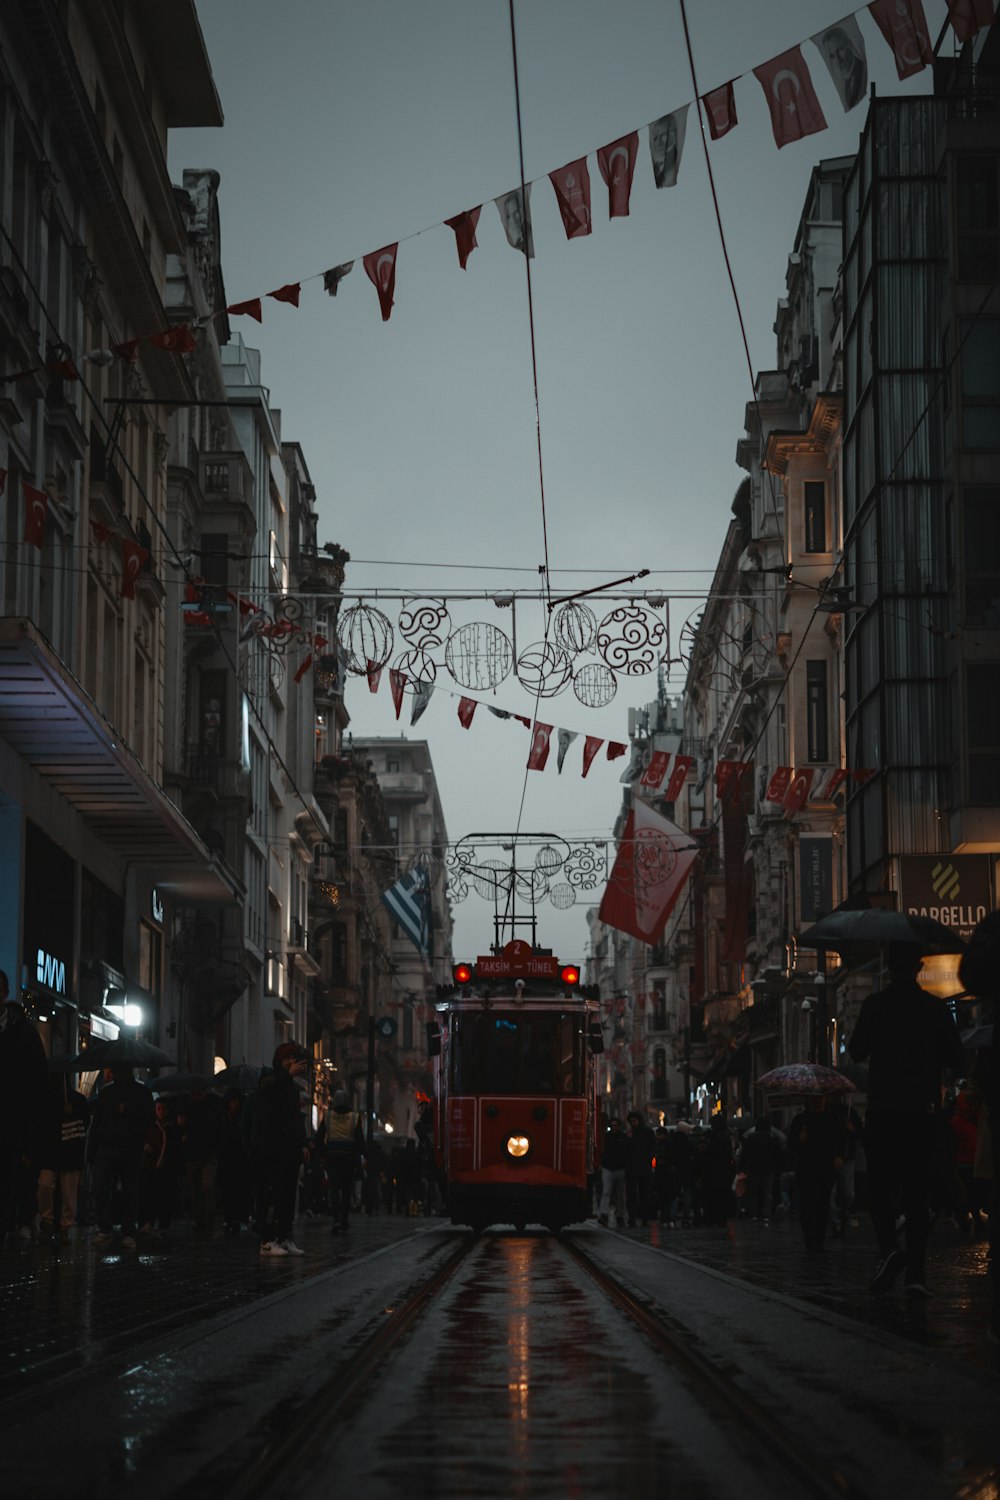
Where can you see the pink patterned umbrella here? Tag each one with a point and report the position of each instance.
(806, 1078)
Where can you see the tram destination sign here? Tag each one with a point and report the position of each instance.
(517, 961)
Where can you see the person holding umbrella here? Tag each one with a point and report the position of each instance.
(908, 1038)
(123, 1114)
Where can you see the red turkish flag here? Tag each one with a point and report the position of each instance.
(36, 510)
(728, 773)
(128, 351)
(970, 16)
(397, 681)
(720, 110)
(791, 98)
(591, 745)
(617, 166)
(178, 340)
(615, 750)
(653, 862)
(466, 708)
(381, 269)
(829, 786)
(303, 668)
(778, 785)
(464, 226)
(904, 26)
(655, 773)
(251, 309)
(374, 675)
(541, 734)
(134, 559)
(522, 720)
(798, 791)
(101, 532)
(572, 187)
(678, 776)
(289, 293)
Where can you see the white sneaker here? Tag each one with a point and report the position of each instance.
(289, 1247)
(272, 1248)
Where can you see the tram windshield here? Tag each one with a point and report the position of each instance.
(526, 1053)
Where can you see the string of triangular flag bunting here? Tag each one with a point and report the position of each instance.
(795, 113)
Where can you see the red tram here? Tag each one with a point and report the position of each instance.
(516, 1109)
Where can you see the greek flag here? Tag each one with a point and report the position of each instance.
(409, 902)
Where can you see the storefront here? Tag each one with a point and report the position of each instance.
(48, 975)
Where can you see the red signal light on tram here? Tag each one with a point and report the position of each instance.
(462, 973)
(570, 974)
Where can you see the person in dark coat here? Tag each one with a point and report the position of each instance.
(235, 1182)
(61, 1158)
(716, 1173)
(201, 1127)
(908, 1039)
(345, 1152)
(666, 1182)
(123, 1112)
(760, 1159)
(24, 1094)
(277, 1140)
(614, 1159)
(818, 1143)
(161, 1166)
(640, 1150)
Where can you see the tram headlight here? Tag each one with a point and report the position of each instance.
(518, 1145)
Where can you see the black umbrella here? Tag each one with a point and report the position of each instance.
(238, 1076)
(130, 1052)
(181, 1083)
(978, 1036)
(68, 1062)
(874, 926)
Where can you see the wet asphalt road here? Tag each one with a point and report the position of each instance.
(169, 1369)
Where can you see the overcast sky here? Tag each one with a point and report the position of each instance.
(352, 125)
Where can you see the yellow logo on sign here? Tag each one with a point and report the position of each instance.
(945, 881)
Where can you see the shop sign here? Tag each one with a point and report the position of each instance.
(954, 889)
(50, 972)
(156, 906)
(815, 877)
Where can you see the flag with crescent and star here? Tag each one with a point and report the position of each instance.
(720, 110)
(464, 226)
(134, 559)
(591, 745)
(381, 269)
(466, 708)
(572, 189)
(904, 26)
(798, 791)
(655, 773)
(970, 16)
(617, 166)
(541, 736)
(791, 98)
(778, 785)
(653, 861)
(36, 510)
(678, 776)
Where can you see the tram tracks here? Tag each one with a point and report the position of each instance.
(309, 1429)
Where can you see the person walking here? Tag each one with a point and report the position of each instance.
(345, 1152)
(123, 1113)
(278, 1149)
(160, 1168)
(908, 1038)
(24, 1092)
(61, 1159)
(818, 1143)
(666, 1183)
(201, 1128)
(235, 1185)
(716, 1173)
(614, 1158)
(640, 1150)
(760, 1159)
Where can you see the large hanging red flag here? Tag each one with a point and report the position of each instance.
(678, 776)
(729, 773)
(289, 293)
(134, 559)
(655, 773)
(466, 709)
(778, 785)
(572, 188)
(591, 745)
(178, 340)
(541, 735)
(969, 16)
(250, 309)
(381, 269)
(720, 110)
(397, 682)
(36, 510)
(651, 866)
(464, 226)
(617, 165)
(798, 791)
(791, 98)
(904, 26)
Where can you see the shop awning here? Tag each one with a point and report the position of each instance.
(52, 723)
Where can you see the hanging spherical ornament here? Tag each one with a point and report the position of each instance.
(630, 639)
(417, 668)
(562, 896)
(366, 635)
(532, 885)
(478, 655)
(543, 669)
(492, 878)
(594, 684)
(575, 627)
(549, 859)
(585, 868)
(424, 622)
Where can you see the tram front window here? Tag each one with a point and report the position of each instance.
(517, 1054)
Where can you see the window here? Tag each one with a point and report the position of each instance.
(977, 218)
(981, 520)
(982, 698)
(658, 1089)
(980, 367)
(814, 509)
(214, 561)
(391, 767)
(393, 822)
(816, 710)
(659, 1007)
